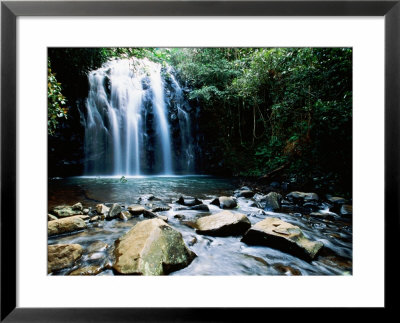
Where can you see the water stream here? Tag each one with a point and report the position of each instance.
(215, 255)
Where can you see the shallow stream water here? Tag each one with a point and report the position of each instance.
(215, 255)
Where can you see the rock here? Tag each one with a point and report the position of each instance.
(77, 207)
(287, 270)
(275, 185)
(62, 256)
(179, 216)
(271, 201)
(200, 207)
(125, 215)
(65, 225)
(246, 193)
(225, 202)
(102, 209)
(324, 215)
(346, 210)
(278, 234)
(337, 200)
(94, 219)
(149, 214)
(87, 271)
(115, 210)
(84, 217)
(224, 223)
(63, 211)
(136, 209)
(147, 197)
(85, 211)
(51, 217)
(302, 197)
(188, 201)
(160, 208)
(151, 247)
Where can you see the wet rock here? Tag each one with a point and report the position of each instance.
(271, 201)
(65, 225)
(102, 209)
(151, 247)
(51, 217)
(125, 215)
(160, 208)
(85, 211)
(192, 241)
(337, 200)
(87, 271)
(302, 197)
(149, 214)
(77, 207)
(246, 193)
(136, 209)
(147, 197)
(275, 185)
(278, 234)
(324, 215)
(188, 201)
(224, 223)
(162, 217)
(84, 217)
(179, 216)
(115, 210)
(346, 210)
(312, 206)
(224, 202)
(200, 207)
(62, 256)
(63, 211)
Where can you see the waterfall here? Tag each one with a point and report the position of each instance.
(128, 121)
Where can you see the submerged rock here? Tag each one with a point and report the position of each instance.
(224, 223)
(346, 210)
(62, 256)
(151, 247)
(87, 271)
(225, 202)
(97, 246)
(65, 225)
(63, 211)
(160, 208)
(125, 215)
(278, 234)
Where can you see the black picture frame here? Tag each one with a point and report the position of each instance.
(10, 10)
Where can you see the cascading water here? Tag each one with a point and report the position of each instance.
(127, 120)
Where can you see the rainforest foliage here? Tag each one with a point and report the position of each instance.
(262, 109)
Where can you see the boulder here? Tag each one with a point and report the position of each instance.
(62, 256)
(136, 209)
(65, 225)
(278, 234)
(224, 223)
(200, 207)
(94, 219)
(188, 201)
(51, 217)
(297, 196)
(85, 211)
(337, 200)
(271, 201)
(97, 246)
(114, 211)
(102, 209)
(225, 202)
(151, 247)
(63, 211)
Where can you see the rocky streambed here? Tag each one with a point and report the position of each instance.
(126, 228)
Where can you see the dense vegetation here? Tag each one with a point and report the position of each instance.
(264, 111)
